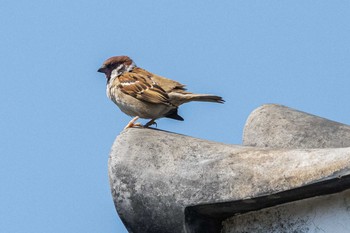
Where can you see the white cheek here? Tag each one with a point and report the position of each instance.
(121, 69)
(115, 73)
(130, 67)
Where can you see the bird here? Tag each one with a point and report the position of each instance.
(142, 94)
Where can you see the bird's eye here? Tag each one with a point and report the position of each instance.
(112, 65)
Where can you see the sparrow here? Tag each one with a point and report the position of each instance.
(142, 94)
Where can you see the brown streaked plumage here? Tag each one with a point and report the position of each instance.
(142, 94)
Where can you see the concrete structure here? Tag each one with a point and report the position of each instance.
(330, 213)
(166, 182)
(277, 126)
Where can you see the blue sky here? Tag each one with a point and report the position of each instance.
(57, 125)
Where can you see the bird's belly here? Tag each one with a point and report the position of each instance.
(134, 107)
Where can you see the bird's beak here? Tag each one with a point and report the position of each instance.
(103, 69)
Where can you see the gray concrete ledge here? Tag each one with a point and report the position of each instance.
(277, 126)
(156, 175)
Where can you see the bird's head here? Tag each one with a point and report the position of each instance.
(115, 66)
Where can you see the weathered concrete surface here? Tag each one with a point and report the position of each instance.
(154, 175)
(277, 126)
(327, 214)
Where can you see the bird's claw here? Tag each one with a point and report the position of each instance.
(151, 122)
(133, 124)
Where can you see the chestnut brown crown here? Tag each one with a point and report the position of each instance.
(113, 62)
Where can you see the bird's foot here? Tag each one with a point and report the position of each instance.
(133, 124)
(151, 122)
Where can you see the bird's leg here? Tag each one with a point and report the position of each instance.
(151, 122)
(132, 123)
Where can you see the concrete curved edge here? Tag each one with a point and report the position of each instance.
(155, 175)
(278, 126)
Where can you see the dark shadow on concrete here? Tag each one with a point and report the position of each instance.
(207, 218)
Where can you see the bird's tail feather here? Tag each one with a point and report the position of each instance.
(180, 98)
(206, 98)
(173, 115)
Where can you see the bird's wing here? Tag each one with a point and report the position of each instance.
(143, 88)
(167, 85)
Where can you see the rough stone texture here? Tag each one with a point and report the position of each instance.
(155, 175)
(277, 126)
(319, 214)
(282, 127)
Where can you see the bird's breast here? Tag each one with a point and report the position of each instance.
(135, 107)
